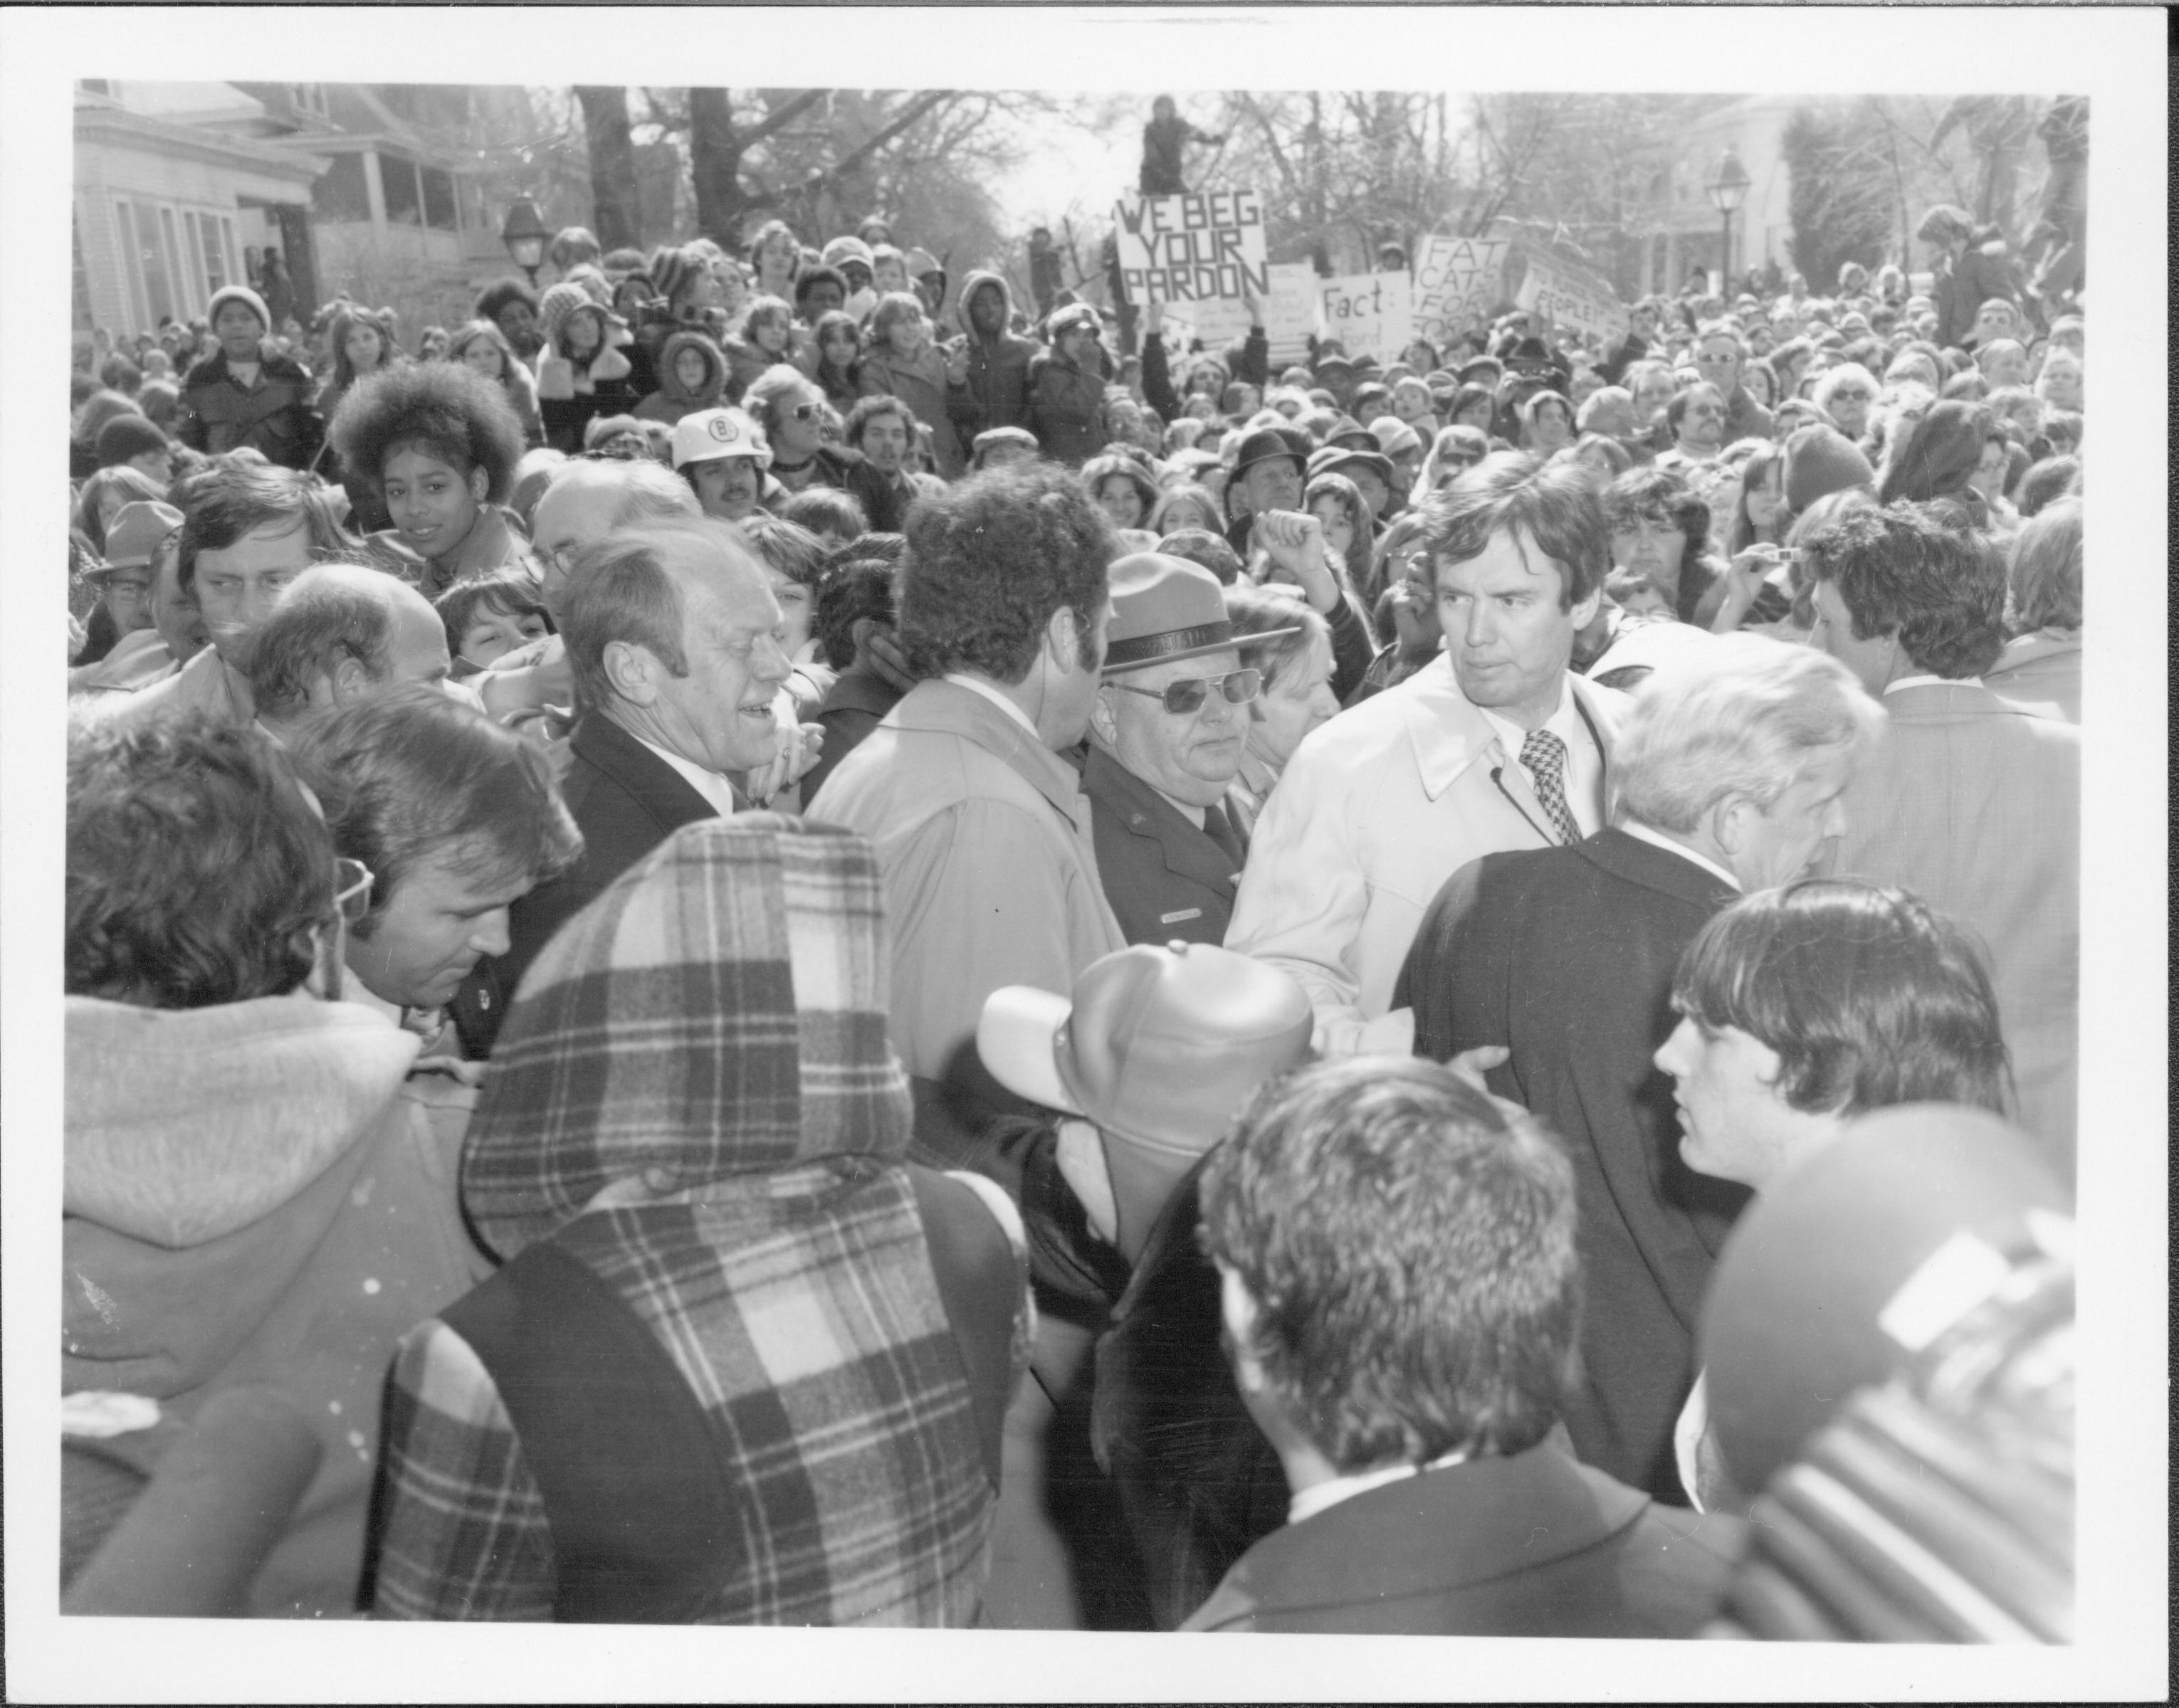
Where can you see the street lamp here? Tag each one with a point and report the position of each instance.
(525, 236)
(1727, 190)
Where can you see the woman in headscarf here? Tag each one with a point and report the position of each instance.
(780, 1355)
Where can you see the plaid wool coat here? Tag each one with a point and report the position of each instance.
(693, 1106)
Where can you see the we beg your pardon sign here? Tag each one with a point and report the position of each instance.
(1192, 249)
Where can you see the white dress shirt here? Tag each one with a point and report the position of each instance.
(1584, 781)
(710, 784)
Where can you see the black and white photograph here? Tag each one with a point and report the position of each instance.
(1058, 826)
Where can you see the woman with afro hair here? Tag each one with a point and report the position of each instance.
(438, 443)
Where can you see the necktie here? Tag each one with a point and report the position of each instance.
(1219, 829)
(1544, 755)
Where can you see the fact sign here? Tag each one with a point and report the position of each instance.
(1192, 249)
(1370, 313)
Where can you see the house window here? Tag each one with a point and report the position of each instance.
(184, 296)
(158, 293)
(233, 264)
(82, 279)
(439, 200)
(404, 199)
(341, 195)
(140, 307)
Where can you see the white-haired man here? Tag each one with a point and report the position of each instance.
(1727, 777)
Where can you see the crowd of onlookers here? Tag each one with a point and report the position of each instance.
(767, 938)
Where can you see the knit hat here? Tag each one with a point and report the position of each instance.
(1821, 460)
(1394, 436)
(558, 302)
(126, 436)
(238, 293)
(919, 262)
(1857, 1258)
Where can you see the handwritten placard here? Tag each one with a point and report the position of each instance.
(1573, 296)
(1192, 249)
(1457, 281)
(1371, 313)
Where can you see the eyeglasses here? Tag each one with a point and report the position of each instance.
(560, 558)
(352, 882)
(804, 412)
(1188, 693)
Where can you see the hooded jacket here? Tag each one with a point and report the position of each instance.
(1065, 409)
(673, 400)
(260, 1193)
(781, 1354)
(275, 416)
(998, 366)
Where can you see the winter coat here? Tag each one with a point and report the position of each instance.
(276, 416)
(998, 368)
(919, 381)
(1065, 409)
(673, 400)
(744, 362)
(569, 398)
(261, 1193)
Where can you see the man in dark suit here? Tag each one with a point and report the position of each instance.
(670, 633)
(1400, 1289)
(1166, 742)
(1727, 778)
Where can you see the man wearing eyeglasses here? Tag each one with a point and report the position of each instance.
(1165, 740)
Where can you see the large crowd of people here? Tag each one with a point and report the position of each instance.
(772, 938)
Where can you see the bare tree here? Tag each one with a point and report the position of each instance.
(616, 208)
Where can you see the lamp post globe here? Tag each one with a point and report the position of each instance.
(525, 235)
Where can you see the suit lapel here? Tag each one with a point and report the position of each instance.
(653, 785)
(1142, 811)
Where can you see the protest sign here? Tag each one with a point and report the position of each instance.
(1289, 317)
(1192, 249)
(1371, 312)
(1290, 312)
(1458, 282)
(1572, 296)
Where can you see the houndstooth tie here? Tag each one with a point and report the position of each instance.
(1544, 755)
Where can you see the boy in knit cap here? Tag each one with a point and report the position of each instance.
(246, 395)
